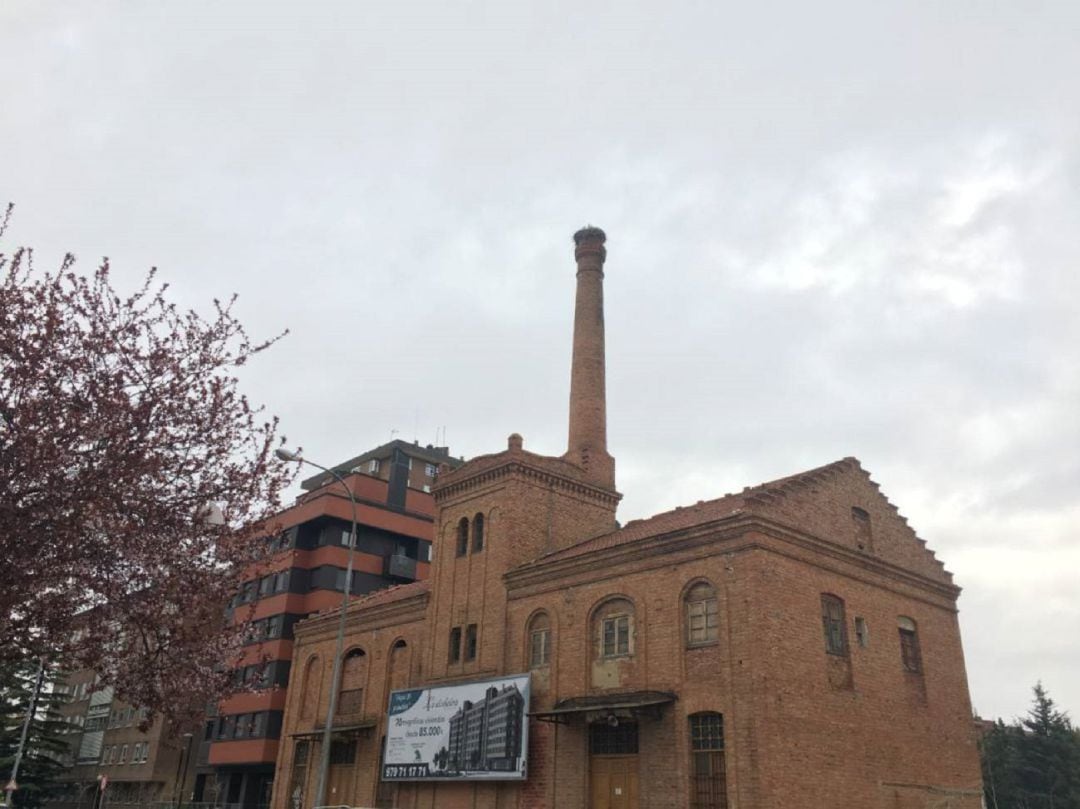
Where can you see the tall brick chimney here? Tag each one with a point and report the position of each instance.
(587, 446)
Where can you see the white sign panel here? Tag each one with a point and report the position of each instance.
(465, 731)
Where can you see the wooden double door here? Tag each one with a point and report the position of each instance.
(613, 765)
(613, 782)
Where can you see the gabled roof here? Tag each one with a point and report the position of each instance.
(766, 499)
(378, 598)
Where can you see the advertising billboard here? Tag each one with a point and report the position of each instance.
(466, 731)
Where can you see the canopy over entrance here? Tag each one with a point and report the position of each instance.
(598, 706)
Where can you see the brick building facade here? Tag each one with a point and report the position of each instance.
(792, 645)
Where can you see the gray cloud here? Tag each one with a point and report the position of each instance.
(839, 229)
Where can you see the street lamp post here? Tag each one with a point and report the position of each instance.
(324, 754)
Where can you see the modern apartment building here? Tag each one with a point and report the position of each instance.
(110, 761)
(304, 574)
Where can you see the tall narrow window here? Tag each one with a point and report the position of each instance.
(864, 538)
(862, 633)
(353, 671)
(299, 772)
(478, 533)
(454, 655)
(470, 642)
(701, 615)
(462, 537)
(708, 771)
(834, 624)
(910, 655)
(539, 635)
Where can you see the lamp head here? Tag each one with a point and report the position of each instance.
(287, 455)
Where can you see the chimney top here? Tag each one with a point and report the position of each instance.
(590, 244)
(590, 233)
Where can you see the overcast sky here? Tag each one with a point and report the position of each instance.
(833, 229)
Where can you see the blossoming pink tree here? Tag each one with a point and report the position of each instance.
(122, 430)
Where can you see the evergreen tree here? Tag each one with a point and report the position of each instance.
(46, 747)
(1033, 763)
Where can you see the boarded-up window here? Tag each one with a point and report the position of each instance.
(309, 695)
(399, 665)
(708, 770)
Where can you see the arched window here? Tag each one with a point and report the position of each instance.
(309, 694)
(910, 655)
(708, 770)
(478, 533)
(613, 628)
(398, 667)
(462, 536)
(835, 625)
(353, 673)
(539, 638)
(701, 615)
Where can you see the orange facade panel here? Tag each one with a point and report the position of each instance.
(272, 699)
(261, 652)
(338, 506)
(246, 751)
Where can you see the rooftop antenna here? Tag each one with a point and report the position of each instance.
(392, 434)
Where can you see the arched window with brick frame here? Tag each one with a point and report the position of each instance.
(702, 614)
(353, 678)
(312, 687)
(613, 628)
(398, 665)
(538, 637)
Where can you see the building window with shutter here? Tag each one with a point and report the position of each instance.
(910, 656)
(834, 624)
(708, 772)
